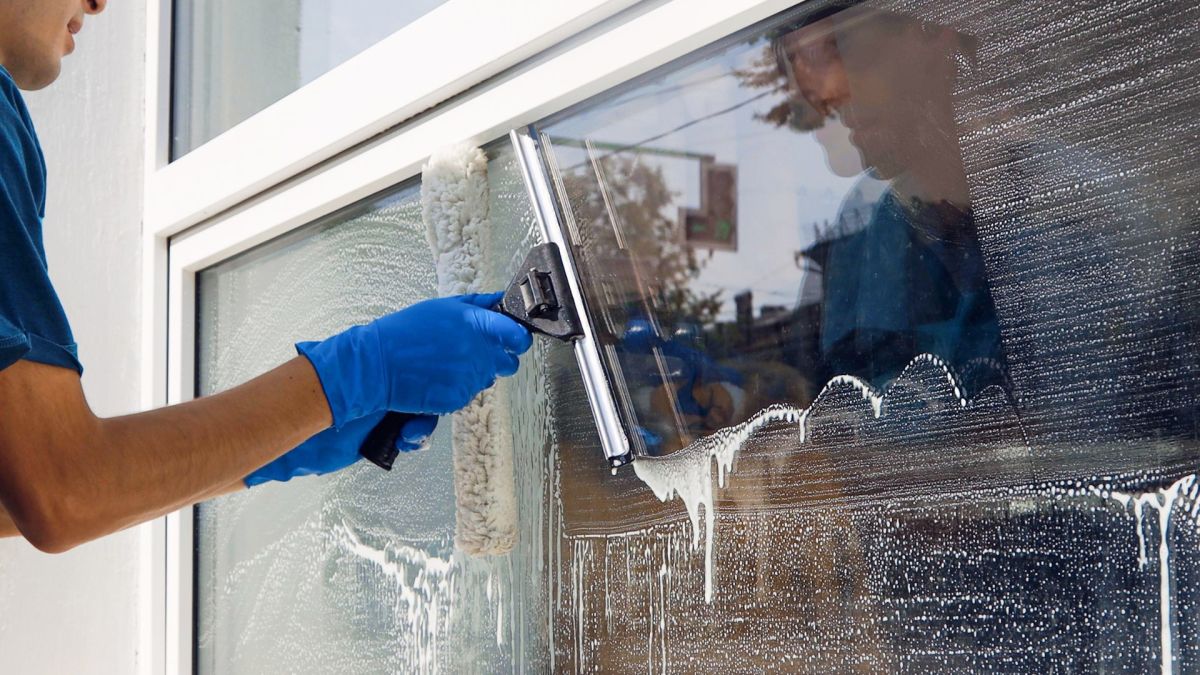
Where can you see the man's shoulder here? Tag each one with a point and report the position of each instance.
(11, 100)
(22, 164)
(15, 122)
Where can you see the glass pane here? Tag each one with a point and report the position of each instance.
(233, 58)
(900, 300)
(355, 572)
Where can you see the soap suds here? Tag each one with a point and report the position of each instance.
(425, 591)
(357, 571)
(687, 473)
(1163, 502)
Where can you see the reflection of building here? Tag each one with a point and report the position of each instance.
(765, 333)
(788, 335)
(777, 335)
(714, 224)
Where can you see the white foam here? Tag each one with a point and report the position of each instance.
(1162, 501)
(687, 473)
(425, 589)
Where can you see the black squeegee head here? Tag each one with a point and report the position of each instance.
(540, 298)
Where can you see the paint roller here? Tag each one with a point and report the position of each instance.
(454, 201)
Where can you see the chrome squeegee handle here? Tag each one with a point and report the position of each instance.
(615, 443)
(380, 445)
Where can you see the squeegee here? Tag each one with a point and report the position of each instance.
(538, 298)
(544, 296)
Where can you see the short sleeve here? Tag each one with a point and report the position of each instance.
(33, 324)
(14, 344)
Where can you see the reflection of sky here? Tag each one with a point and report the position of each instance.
(784, 184)
(333, 31)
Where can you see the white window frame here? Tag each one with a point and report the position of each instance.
(362, 98)
(228, 215)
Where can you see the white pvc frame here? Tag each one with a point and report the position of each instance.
(457, 45)
(614, 50)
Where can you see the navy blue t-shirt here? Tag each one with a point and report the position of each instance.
(33, 325)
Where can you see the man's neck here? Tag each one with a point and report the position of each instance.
(934, 183)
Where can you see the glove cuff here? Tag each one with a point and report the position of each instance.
(323, 363)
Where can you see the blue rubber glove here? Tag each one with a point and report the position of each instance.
(684, 363)
(335, 449)
(432, 358)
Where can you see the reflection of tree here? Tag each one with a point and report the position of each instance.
(663, 265)
(791, 111)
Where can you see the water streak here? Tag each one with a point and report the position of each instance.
(425, 587)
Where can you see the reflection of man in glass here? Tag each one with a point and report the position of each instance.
(910, 280)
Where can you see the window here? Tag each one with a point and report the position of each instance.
(897, 298)
(232, 59)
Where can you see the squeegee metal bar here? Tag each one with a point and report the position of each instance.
(587, 353)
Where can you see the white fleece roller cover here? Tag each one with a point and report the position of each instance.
(454, 201)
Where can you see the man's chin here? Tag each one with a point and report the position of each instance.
(843, 164)
(33, 79)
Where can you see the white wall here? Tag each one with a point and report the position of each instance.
(75, 613)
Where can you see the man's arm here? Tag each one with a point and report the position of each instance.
(9, 529)
(69, 476)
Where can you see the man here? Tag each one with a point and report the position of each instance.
(68, 476)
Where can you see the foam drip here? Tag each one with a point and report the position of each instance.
(425, 591)
(687, 473)
(1163, 502)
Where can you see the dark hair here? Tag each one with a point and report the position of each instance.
(796, 112)
(824, 10)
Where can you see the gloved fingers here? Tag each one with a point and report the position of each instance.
(640, 336)
(652, 440)
(512, 336)
(484, 300)
(405, 446)
(418, 429)
(507, 364)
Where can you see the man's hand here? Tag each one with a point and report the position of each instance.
(432, 358)
(335, 449)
